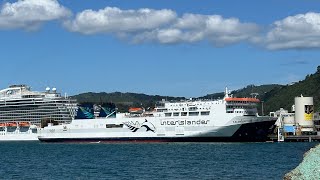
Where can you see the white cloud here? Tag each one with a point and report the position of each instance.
(213, 28)
(162, 26)
(301, 31)
(29, 14)
(169, 35)
(115, 20)
(166, 27)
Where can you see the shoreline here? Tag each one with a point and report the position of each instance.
(309, 168)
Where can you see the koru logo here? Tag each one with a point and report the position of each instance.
(134, 128)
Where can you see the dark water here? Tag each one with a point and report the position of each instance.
(34, 160)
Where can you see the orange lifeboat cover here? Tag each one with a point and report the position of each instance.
(243, 99)
(133, 109)
(12, 124)
(23, 124)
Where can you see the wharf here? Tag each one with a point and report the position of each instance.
(297, 138)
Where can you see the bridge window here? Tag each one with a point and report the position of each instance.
(205, 113)
(176, 114)
(193, 113)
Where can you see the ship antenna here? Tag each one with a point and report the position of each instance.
(226, 93)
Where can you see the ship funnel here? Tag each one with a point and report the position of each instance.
(85, 111)
(107, 110)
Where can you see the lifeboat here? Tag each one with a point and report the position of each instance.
(2, 124)
(11, 124)
(136, 110)
(253, 100)
(24, 124)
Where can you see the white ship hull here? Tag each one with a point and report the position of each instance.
(227, 119)
(240, 128)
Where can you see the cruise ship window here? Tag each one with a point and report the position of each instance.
(167, 114)
(184, 113)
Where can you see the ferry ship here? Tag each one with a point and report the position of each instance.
(228, 119)
(24, 112)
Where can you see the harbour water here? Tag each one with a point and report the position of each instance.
(35, 160)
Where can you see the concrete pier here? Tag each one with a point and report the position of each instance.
(297, 138)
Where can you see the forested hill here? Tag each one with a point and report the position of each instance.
(284, 96)
(274, 96)
(249, 91)
(123, 100)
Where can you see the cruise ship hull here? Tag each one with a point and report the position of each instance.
(19, 137)
(19, 134)
(249, 132)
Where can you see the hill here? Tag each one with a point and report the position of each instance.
(273, 96)
(250, 90)
(284, 96)
(123, 100)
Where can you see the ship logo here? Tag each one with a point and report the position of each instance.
(87, 113)
(134, 127)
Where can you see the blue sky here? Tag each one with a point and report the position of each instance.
(179, 48)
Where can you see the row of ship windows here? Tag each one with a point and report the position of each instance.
(35, 101)
(235, 111)
(239, 107)
(190, 109)
(34, 110)
(34, 117)
(33, 114)
(6, 108)
(204, 113)
(189, 104)
(239, 102)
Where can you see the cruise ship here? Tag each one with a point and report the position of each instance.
(228, 119)
(23, 113)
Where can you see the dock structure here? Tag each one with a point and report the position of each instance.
(297, 138)
(302, 124)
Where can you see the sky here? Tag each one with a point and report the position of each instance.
(184, 48)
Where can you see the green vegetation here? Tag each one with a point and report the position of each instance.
(273, 96)
(284, 96)
(249, 91)
(123, 100)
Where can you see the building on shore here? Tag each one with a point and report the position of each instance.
(302, 123)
